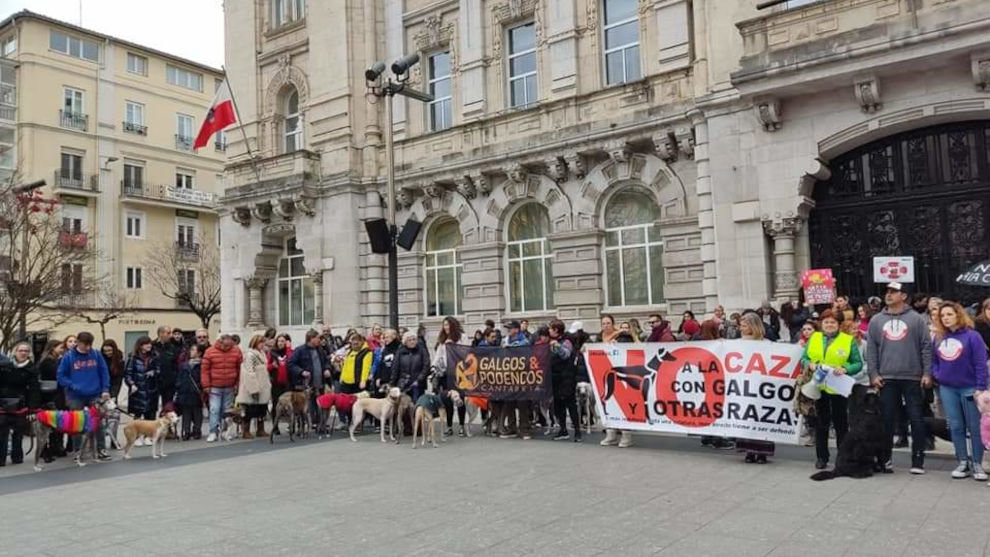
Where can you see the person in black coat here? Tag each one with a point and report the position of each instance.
(52, 394)
(19, 392)
(141, 377)
(411, 366)
(563, 379)
(189, 395)
(167, 349)
(386, 360)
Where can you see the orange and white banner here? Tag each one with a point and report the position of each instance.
(735, 388)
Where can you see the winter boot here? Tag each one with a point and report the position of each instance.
(611, 438)
(261, 428)
(626, 440)
(247, 431)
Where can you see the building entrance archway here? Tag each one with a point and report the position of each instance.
(923, 193)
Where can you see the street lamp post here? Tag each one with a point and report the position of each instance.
(386, 87)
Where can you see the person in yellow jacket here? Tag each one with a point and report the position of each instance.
(839, 351)
(356, 367)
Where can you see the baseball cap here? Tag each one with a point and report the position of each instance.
(895, 286)
(513, 325)
(575, 327)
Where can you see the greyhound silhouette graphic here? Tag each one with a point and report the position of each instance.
(636, 377)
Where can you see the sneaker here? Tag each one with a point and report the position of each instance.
(961, 471)
(211, 438)
(505, 436)
(901, 442)
(461, 433)
(562, 436)
(102, 456)
(578, 438)
(920, 471)
(978, 473)
(449, 432)
(821, 464)
(139, 442)
(527, 437)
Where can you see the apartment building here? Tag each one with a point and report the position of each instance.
(109, 125)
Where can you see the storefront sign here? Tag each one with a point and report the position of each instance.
(514, 373)
(736, 388)
(818, 286)
(899, 269)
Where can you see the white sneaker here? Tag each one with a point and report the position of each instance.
(139, 442)
(919, 471)
(626, 440)
(610, 438)
(211, 438)
(979, 474)
(961, 471)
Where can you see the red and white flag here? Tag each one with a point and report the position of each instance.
(221, 115)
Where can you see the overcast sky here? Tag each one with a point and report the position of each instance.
(191, 29)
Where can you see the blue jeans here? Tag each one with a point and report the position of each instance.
(101, 437)
(221, 400)
(964, 416)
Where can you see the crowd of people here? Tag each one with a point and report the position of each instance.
(925, 358)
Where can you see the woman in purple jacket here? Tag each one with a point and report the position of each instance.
(959, 365)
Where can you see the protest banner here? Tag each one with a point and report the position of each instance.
(496, 373)
(737, 388)
(818, 286)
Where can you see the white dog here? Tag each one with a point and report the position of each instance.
(381, 408)
(586, 406)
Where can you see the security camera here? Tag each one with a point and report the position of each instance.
(376, 69)
(403, 64)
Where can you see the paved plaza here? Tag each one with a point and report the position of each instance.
(666, 496)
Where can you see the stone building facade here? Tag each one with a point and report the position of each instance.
(581, 156)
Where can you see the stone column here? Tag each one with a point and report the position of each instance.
(706, 212)
(256, 309)
(577, 275)
(317, 298)
(785, 280)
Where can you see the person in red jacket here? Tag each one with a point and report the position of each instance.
(220, 370)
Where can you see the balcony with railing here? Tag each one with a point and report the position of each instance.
(183, 142)
(788, 36)
(65, 182)
(135, 128)
(69, 239)
(8, 102)
(187, 251)
(73, 120)
(166, 195)
(71, 298)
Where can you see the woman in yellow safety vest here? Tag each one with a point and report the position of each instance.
(839, 351)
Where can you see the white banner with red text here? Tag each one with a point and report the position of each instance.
(735, 388)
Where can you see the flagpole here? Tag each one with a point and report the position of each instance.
(240, 124)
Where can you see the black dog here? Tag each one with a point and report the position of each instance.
(864, 446)
(637, 377)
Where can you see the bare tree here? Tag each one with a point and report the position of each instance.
(189, 273)
(112, 303)
(44, 263)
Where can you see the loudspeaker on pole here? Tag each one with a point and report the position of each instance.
(409, 233)
(378, 235)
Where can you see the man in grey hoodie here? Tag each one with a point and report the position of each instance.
(899, 359)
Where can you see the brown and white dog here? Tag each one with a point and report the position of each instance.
(294, 407)
(381, 408)
(429, 408)
(405, 410)
(586, 406)
(156, 430)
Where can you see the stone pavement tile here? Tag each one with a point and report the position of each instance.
(759, 526)
(649, 542)
(792, 548)
(700, 544)
(955, 542)
(883, 539)
(847, 517)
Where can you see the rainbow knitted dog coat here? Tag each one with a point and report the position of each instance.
(71, 421)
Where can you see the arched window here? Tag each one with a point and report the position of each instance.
(296, 300)
(293, 129)
(528, 259)
(633, 250)
(443, 269)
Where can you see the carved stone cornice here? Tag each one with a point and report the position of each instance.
(510, 10)
(768, 112)
(517, 173)
(618, 150)
(557, 169)
(481, 183)
(284, 208)
(685, 141)
(256, 283)
(305, 205)
(779, 226)
(575, 164)
(465, 185)
(241, 215)
(433, 189)
(867, 90)
(434, 33)
(666, 146)
(404, 197)
(262, 211)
